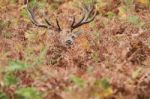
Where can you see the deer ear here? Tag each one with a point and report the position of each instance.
(78, 33)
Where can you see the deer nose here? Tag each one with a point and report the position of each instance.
(69, 43)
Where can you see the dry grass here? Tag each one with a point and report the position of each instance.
(110, 60)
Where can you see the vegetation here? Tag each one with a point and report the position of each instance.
(110, 59)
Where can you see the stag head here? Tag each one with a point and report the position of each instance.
(66, 36)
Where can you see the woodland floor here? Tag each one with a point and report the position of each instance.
(110, 60)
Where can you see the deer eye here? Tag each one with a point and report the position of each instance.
(73, 37)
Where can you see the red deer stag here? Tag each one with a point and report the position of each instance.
(67, 36)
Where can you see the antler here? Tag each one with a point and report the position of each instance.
(47, 25)
(85, 18)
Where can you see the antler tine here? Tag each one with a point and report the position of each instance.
(88, 11)
(46, 20)
(73, 22)
(85, 19)
(49, 25)
(31, 16)
(57, 22)
(77, 24)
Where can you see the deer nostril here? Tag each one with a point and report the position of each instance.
(69, 43)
